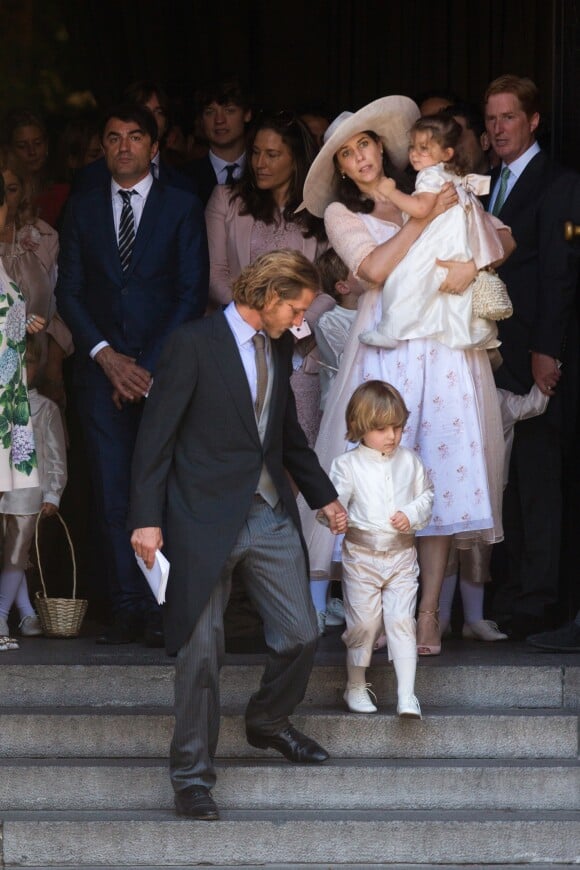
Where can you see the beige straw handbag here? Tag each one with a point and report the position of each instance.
(60, 617)
(490, 298)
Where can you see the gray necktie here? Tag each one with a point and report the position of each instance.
(126, 229)
(261, 372)
(500, 198)
(230, 169)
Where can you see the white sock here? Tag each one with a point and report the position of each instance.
(22, 602)
(446, 599)
(405, 670)
(472, 598)
(319, 592)
(356, 675)
(10, 580)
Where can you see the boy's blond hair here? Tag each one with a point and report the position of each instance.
(374, 405)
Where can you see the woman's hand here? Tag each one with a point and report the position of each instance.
(459, 276)
(446, 199)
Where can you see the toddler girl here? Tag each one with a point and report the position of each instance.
(388, 496)
(413, 306)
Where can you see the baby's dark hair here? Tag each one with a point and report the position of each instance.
(331, 270)
(374, 405)
(447, 133)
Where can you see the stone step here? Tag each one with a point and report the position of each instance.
(443, 733)
(152, 685)
(325, 866)
(331, 838)
(386, 784)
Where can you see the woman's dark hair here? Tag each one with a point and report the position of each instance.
(260, 204)
(350, 195)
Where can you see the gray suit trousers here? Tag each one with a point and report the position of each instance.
(269, 556)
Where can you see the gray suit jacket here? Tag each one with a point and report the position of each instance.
(199, 456)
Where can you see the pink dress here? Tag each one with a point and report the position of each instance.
(454, 424)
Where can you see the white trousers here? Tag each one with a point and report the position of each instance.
(379, 591)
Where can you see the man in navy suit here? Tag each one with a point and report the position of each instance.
(535, 197)
(224, 111)
(133, 266)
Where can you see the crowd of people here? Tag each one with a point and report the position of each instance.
(289, 368)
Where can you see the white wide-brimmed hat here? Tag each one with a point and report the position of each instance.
(389, 117)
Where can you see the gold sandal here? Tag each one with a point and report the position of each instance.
(428, 649)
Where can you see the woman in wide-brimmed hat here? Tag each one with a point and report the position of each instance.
(454, 424)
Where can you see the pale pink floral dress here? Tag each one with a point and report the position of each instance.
(454, 423)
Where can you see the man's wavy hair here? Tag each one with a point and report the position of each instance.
(283, 273)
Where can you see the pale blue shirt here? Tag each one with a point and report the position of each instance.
(220, 166)
(516, 168)
(138, 201)
(243, 334)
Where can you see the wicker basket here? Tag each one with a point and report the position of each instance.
(490, 296)
(60, 617)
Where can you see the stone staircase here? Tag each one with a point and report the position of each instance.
(490, 777)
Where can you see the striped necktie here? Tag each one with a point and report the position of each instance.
(126, 229)
(501, 194)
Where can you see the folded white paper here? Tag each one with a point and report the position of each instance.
(157, 575)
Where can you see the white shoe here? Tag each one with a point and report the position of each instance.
(483, 629)
(335, 612)
(408, 708)
(321, 619)
(4, 630)
(30, 626)
(358, 698)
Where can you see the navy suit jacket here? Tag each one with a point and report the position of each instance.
(542, 273)
(165, 285)
(97, 174)
(203, 176)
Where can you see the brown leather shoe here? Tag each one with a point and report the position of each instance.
(196, 802)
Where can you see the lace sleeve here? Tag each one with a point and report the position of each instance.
(348, 235)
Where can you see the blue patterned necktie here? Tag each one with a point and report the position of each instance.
(126, 229)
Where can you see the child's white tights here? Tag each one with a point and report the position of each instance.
(471, 598)
(14, 590)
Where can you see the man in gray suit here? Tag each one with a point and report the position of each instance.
(217, 446)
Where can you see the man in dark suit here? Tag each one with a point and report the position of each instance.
(534, 197)
(153, 97)
(224, 112)
(219, 442)
(133, 266)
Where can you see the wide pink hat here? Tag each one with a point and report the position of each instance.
(389, 117)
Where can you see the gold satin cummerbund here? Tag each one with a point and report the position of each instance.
(380, 541)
